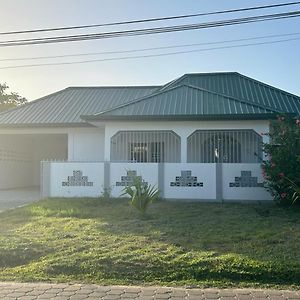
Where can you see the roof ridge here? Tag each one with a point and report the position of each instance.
(195, 74)
(165, 86)
(113, 86)
(212, 73)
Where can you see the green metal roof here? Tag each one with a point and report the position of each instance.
(208, 95)
(183, 100)
(65, 107)
(241, 87)
(192, 96)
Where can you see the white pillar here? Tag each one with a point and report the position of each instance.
(183, 133)
(108, 133)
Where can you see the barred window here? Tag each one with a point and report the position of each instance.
(145, 146)
(224, 146)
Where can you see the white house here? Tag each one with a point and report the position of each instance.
(197, 137)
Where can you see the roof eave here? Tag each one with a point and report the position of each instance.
(45, 125)
(262, 116)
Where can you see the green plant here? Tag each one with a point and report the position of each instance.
(296, 188)
(282, 169)
(141, 194)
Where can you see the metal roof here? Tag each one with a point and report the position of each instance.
(202, 95)
(183, 100)
(65, 107)
(241, 87)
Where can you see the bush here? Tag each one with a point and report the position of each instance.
(282, 169)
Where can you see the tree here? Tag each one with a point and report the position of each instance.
(282, 169)
(9, 100)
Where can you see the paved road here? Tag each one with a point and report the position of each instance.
(31, 291)
(17, 197)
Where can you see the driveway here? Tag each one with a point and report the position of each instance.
(17, 197)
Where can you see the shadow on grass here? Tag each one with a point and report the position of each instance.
(223, 242)
(20, 254)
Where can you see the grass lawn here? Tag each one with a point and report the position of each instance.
(194, 244)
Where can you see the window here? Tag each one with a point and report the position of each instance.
(145, 146)
(146, 152)
(224, 146)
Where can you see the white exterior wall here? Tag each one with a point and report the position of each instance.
(86, 145)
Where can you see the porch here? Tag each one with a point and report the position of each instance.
(210, 165)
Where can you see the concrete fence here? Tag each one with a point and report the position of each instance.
(176, 181)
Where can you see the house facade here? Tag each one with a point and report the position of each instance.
(196, 138)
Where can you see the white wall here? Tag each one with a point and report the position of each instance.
(59, 172)
(86, 145)
(205, 173)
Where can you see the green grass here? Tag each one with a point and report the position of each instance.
(194, 244)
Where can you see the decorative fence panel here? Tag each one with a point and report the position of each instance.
(189, 181)
(121, 175)
(176, 181)
(243, 182)
(73, 179)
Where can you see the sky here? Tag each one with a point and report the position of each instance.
(275, 64)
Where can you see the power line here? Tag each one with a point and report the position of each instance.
(149, 49)
(146, 31)
(152, 19)
(150, 55)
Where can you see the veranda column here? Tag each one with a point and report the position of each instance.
(184, 133)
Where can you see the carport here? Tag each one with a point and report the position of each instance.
(12, 198)
(21, 154)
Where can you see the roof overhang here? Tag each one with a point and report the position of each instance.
(45, 125)
(262, 116)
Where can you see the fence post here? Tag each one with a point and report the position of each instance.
(161, 179)
(107, 175)
(219, 182)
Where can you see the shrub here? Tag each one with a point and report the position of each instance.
(282, 169)
(141, 194)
